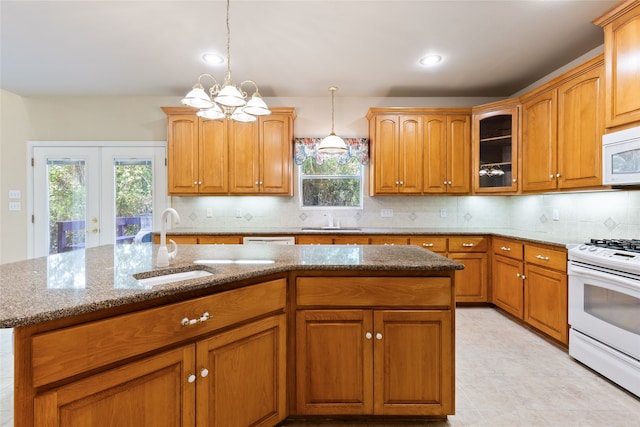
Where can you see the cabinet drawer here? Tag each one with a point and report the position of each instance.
(73, 350)
(468, 244)
(389, 240)
(508, 248)
(220, 240)
(433, 243)
(374, 291)
(546, 257)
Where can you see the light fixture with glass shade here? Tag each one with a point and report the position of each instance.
(227, 101)
(332, 144)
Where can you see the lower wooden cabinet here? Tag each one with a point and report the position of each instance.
(507, 285)
(381, 362)
(471, 283)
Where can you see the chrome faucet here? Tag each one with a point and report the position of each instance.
(164, 256)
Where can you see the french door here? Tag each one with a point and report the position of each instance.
(90, 195)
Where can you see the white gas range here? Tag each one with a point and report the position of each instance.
(604, 308)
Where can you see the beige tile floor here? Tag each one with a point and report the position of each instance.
(506, 376)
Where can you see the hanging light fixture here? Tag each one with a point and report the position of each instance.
(332, 144)
(227, 101)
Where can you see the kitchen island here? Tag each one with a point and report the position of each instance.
(271, 332)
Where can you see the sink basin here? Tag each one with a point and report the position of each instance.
(163, 279)
(331, 229)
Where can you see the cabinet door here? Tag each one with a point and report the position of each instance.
(580, 129)
(539, 142)
(242, 376)
(385, 155)
(182, 153)
(244, 158)
(214, 157)
(471, 283)
(546, 301)
(458, 154)
(276, 153)
(507, 289)
(435, 153)
(413, 366)
(151, 392)
(410, 155)
(334, 360)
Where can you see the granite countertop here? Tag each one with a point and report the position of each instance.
(530, 236)
(85, 281)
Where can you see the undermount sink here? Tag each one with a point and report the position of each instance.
(331, 229)
(163, 279)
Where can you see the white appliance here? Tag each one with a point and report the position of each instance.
(604, 309)
(280, 240)
(621, 157)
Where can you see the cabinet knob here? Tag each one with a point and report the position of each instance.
(195, 182)
(449, 182)
(557, 175)
(191, 378)
(378, 336)
(518, 274)
(514, 180)
(524, 277)
(204, 372)
(551, 176)
(445, 183)
(368, 335)
(401, 182)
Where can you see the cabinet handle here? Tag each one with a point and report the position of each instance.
(378, 336)
(504, 248)
(543, 258)
(191, 378)
(204, 372)
(557, 175)
(551, 176)
(401, 182)
(427, 245)
(449, 183)
(514, 180)
(518, 274)
(186, 321)
(468, 245)
(368, 335)
(524, 277)
(445, 182)
(195, 182)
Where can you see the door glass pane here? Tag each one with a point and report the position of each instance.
(133, 200)
(67, 204)
(613, 307)
(626, 162)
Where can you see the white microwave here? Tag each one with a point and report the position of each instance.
(621, 157)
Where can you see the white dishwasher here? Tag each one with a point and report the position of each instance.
(258, 240)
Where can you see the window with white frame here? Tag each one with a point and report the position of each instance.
(329, 181)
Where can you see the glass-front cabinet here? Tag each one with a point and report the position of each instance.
(495, 147)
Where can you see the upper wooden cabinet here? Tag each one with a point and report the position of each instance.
(621, 47)
(225, 157)
(419, 150)
(496, 140)
(562, 127)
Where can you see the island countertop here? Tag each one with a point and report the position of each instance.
(84, 281)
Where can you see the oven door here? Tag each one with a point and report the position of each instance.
(606, 307)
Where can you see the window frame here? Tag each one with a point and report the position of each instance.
(301, 179)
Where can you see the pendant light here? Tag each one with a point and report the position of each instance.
(227, 101)
(332, 144)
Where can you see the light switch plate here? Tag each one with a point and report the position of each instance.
(15, 194)
(15, 206)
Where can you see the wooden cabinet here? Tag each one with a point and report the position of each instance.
(261, 156)
(419, 150)
(621, 27)
(388, 240)
(118, 369)
(436, 244)
(397, 154)
(221, 157)
(447, 154)
(562, 127)
(471, 283)
(193, 240)
(507, 287)
(359, 361)
(496, 139)
(545, 291)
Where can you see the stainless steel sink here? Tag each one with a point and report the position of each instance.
(331, 229)
(164, 278)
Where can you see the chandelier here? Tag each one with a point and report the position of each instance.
(227, 101)
(332, 144)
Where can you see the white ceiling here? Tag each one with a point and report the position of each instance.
(292, 47)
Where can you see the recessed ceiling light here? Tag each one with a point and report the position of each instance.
(212, 59)
(430, 60)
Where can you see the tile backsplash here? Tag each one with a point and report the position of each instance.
(570, 216)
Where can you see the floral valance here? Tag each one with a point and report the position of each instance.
(307, 147)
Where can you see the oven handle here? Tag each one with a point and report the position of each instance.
(607, 277)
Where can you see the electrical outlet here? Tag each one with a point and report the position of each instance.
(14, 194)
(209, 212)
(15, 206)
(386, 213)
(443, 213)
(238, 213)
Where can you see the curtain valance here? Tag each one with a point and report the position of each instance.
(307, 147)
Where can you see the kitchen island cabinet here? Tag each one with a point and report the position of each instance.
(219, 349)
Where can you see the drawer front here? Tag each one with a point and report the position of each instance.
(468, 244)
(389, 240)
(508, 248)
(220, 240)
(374, 291)
(73, 350)
(546, 257)
(433, 243)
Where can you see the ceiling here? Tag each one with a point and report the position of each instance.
(292, 47)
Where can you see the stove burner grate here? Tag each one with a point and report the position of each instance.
(629, 245)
